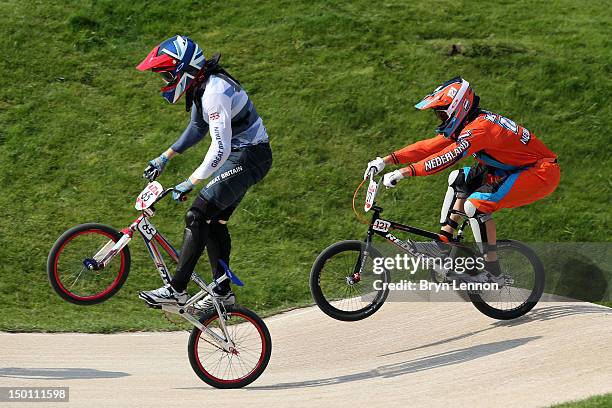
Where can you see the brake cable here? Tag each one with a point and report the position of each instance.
(359, 218)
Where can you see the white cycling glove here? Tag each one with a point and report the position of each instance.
(390, 179)
(378, 164)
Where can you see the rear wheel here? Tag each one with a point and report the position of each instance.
(72, 264)
(341, 288)
(240, 366)
(525, 280)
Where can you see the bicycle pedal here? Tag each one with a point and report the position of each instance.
(152, 306)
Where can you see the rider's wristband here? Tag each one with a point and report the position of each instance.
(411, 171)
(394, 158)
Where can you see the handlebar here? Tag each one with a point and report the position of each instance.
(371, 177)
(165, 193)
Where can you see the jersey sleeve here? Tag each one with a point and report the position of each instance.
(420, 150)
(193, 133)
(218, 107)
(468, 142)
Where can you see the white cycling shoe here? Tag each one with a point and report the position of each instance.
(166, 295)
(227, 300)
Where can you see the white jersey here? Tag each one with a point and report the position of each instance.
(233, 123)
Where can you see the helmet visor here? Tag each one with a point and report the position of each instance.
(441, 114)
(167, 76)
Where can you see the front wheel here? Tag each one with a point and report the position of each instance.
(524, 274)
(344, 282)
(244, 363)
(72, 264)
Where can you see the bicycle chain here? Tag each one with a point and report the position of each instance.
(170, 320)
(166, 316)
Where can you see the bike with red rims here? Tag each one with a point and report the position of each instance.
(229, 347)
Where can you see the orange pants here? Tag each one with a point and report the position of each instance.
(519, 188)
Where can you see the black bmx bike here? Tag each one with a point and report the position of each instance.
(344, 287)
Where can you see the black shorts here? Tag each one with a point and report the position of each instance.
(243, 168)
(480, 178)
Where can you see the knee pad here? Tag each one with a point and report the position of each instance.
(473, 212)
(469, 208)
(194, 218)
(455, 178)
(194, 241)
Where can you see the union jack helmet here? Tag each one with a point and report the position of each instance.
(452, 102)
(178, 60)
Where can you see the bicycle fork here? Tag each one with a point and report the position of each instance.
(103, 257)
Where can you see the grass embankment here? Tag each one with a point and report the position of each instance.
(599, 401)
(335, 84)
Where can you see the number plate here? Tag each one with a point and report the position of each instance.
(371, 195)
(381, 225)
(146, 229)
(148, 196)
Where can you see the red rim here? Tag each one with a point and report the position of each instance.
(97, 295)
(261, 357)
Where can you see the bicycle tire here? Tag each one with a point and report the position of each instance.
(326, 305)
(60, 245)
(532, 299)
(264, 358)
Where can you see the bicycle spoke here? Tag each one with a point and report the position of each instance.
(227, 366)
(78, 276)
(75, 278)
(349, 297)
(519, 269)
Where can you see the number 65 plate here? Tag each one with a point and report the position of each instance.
(148, 196)
(147, 229)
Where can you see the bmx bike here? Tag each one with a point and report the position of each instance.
(229, 347)
(344, 287)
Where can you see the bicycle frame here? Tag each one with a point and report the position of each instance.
(380, 226)
(152, 238)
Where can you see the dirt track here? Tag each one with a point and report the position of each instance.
(408, 354)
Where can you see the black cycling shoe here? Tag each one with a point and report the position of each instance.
(492, 267)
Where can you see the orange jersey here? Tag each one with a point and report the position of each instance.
(492, 139)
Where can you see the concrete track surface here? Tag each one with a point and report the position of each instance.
(406, 355)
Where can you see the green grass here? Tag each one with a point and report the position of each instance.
(335, 83)
(599, 401)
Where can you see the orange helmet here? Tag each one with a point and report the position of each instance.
(452, 102)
